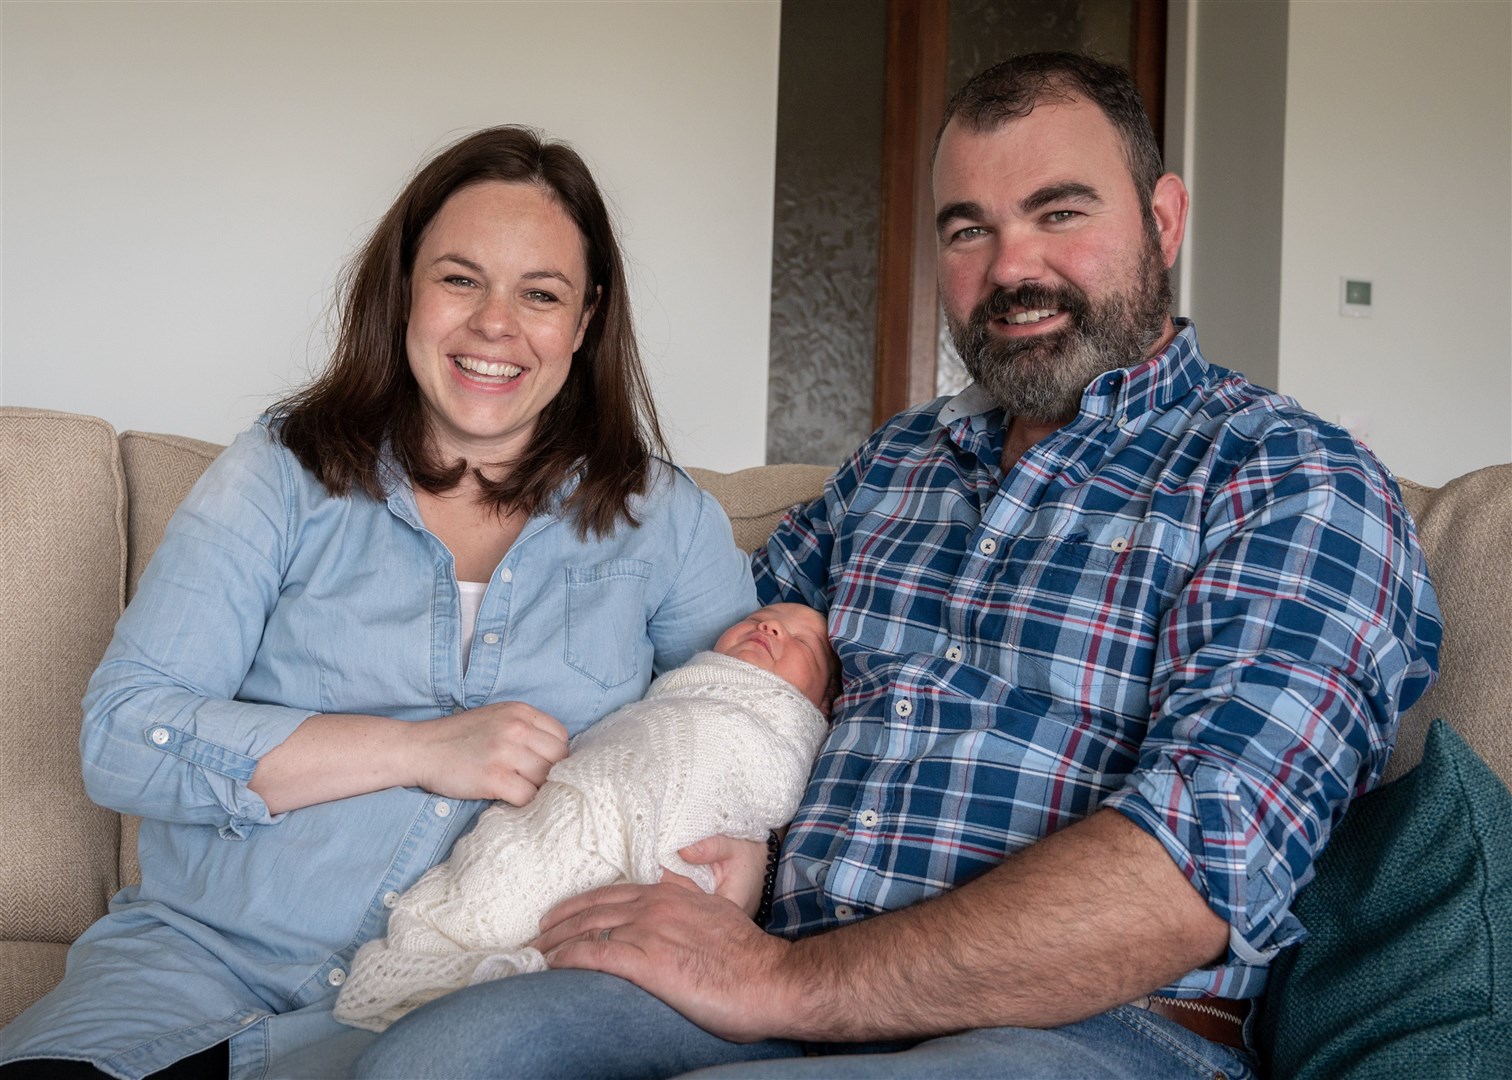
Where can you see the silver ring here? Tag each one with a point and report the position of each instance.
(603, 935)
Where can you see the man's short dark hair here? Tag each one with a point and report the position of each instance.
(1011, 90)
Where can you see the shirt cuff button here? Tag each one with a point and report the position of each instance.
(160, 735)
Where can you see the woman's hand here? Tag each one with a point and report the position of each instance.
(499, 751)
(739, 868)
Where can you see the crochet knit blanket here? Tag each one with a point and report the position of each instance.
(716, 747)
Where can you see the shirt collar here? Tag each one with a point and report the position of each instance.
(399, 490)
(1129, 394)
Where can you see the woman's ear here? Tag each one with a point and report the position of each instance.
(587, 317)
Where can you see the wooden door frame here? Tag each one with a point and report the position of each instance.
(907, 304)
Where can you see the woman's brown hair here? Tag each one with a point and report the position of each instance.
(601, 425)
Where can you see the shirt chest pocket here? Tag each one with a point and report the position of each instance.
(1092, 598)
(606, 620)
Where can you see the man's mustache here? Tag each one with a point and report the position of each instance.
(1031, 294)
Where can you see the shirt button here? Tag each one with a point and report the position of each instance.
(1123, 421)
(443, 809)
(1121, 544)
(844, 911)
(160, 735)
(868, 818)
(491, 639)
(390, 898)
(903, 708)
(506, 574)
(336, 977)
(953, 653)
(987, 546)
(246, 1018)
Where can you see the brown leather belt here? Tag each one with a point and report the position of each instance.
(1219, 1020)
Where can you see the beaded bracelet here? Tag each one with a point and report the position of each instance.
(769, 883)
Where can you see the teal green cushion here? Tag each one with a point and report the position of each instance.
(1408, 964)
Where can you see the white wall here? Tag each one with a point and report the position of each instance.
(1232, 102)
(1399, 169)
(184, 181)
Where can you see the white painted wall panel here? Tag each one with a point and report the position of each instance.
(184, 181)
(1399, 169)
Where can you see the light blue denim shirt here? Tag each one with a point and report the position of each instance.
(269, 601)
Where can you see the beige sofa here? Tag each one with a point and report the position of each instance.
(81, 510)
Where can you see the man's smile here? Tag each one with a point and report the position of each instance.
(1028, 321)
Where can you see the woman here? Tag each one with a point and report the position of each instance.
(394, 598)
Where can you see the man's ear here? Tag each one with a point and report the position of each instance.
(1169, 204)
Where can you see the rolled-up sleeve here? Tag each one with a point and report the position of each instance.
(1281, 672)
(164, 735)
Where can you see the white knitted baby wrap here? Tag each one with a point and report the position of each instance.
(716, 747)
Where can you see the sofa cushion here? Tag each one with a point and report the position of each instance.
(30, 969)
(160, 470)
(755, 499)
(1408, 967)
(61, 579)
(1462, 526)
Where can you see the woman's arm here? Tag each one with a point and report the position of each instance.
(712, 588)
(500, 751)
(163, 736)
(164, 733)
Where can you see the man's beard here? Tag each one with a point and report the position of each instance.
(1043, 378)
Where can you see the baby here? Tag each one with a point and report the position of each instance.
(720, 746)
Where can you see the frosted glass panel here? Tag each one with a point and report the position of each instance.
(826, 220)
(828, 196)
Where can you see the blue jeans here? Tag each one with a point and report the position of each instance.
(588, 1026)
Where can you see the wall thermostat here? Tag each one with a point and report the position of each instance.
(1354, 298)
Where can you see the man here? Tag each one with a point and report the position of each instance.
(1122, 635)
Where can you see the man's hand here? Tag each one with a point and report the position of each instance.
(699, 953)
(1090, 917)
(739, 868)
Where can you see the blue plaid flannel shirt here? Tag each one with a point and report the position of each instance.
(1196, 603)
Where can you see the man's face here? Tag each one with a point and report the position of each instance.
(1050, 271)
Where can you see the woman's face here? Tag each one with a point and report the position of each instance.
(498, 306)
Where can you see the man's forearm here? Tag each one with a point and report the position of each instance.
(1089, 918)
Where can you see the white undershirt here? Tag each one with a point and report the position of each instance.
(472, 600)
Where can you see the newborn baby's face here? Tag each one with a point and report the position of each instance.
(789, 640)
